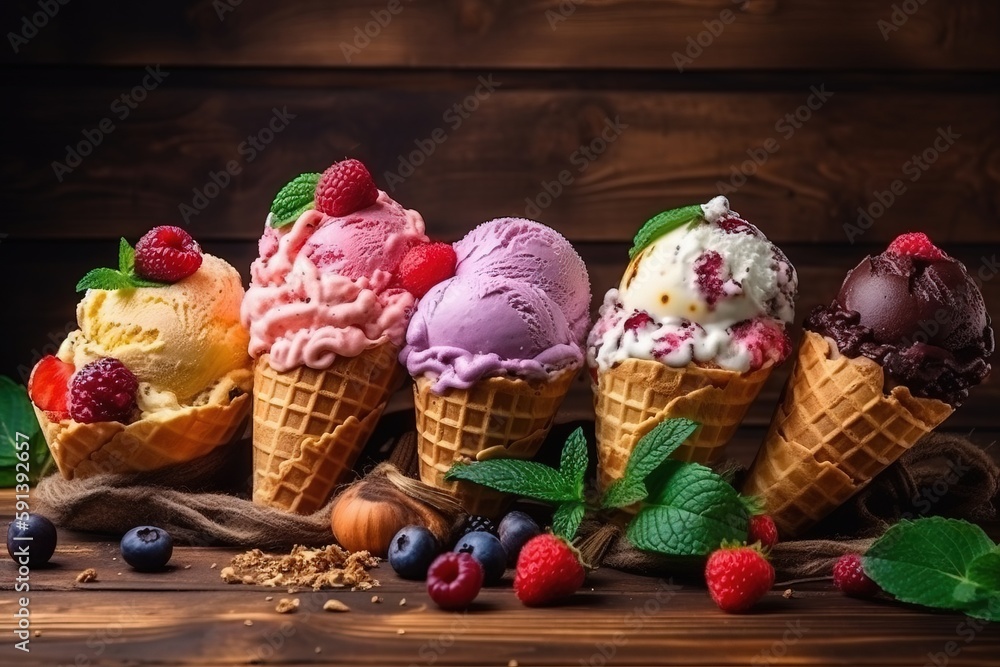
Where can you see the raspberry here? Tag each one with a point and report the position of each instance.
(738, 577)
(637, 320)
(707, 268)
(454, 580)
(849, 576)
(763, 530)
(548, 569)
(167, 254)
(344, 188)
(916, 244)
(734, 225)
(102, 391)
(425, 265)
(48, 386)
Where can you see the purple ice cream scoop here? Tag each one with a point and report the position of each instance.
(518, 305)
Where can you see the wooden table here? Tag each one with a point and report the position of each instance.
(188, 616)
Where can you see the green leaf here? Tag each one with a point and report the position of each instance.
(103, 278)
(692, 511)
(573, 464)
(294, 199)
(661, 224)
(937, 562)
(651, 451)
(18, 417)
(126, 258)
(567, 518)
(523, 478)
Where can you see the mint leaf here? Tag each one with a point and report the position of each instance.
(294, 199)
(104, 279)
(661, 224)
(573, 463)
(651, 451)
(126, 258)
(567, 519)
(930, 562)
(691, 512)
(523, 478)
(18, 417)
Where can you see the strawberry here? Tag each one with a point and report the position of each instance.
(916, 244)
(168, 254)
(737, 577)
(425, 265)
(48, 386)
(849, 576)
(344, 188)
(763, 530)
(548, 569)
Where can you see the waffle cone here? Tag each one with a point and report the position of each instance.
(632, 397)
(499, 417)
(834, 430)
(310, 426)
(163, 439)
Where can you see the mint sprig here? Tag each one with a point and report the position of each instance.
(297, 197)
(524, 478)
(18, 425)
(940, 563)
(651, 451)
(661, 224)
(122, 278)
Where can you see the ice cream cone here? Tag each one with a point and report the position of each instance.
(497, 417)
(310, 426)
(635, 395)
(834, 430)
(163, 439)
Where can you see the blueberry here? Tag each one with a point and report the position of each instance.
(411, 552)
(38, 543)
(515, 530)
(147, 548)
(486, 548)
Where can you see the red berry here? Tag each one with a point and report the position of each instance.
(103, 391)
(763, 530)
(425, 265)
(849, 576)
(637, 320)
(708, 268)
(916, 244)
(734, 225)
(167, 254)
(738, 577)
(344, 188)
(548, 569)
(48, 385)
(454, 580)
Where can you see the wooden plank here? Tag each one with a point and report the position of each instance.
(49, 311)
(506, 158)
(614, 34)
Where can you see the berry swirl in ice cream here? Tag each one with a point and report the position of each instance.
(917, 313)
(325, 283)
(704, 286)
(517, 306)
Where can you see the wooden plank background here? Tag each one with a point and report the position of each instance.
(803, 111)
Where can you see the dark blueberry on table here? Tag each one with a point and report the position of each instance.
(411, 552)
(485, 548)
(147, 548)
(31, 541)
(475, 524)
(515, 530)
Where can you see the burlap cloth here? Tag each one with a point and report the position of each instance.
(206, 502)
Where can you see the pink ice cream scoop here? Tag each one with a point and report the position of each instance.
(517, 305)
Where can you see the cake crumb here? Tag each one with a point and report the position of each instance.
(402, 602)
(268, 598)
(38, 633)
(335, 605)
(286, 606)
(512, 663)
(328, 567)
(213, 566)
(788, 594)
(376, 599)
(401, 631)
(119, 574)
(87, 576)
(318, 649)
(248, 622)
(187, 567)
(114, 558)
